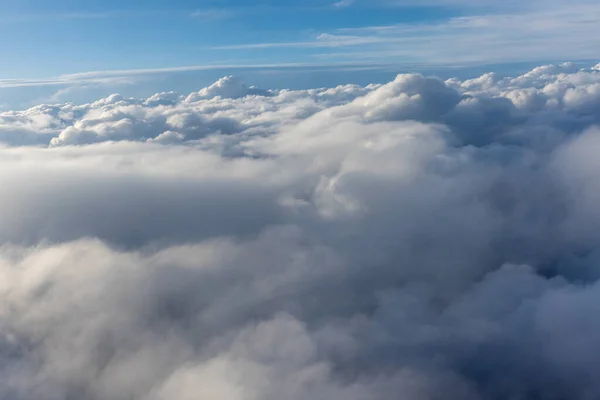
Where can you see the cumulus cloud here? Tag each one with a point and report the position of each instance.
(422, 239)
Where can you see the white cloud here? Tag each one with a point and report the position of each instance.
(343, 3)
(213, 14)
(116, 77)
(496, 32)
(422, 239)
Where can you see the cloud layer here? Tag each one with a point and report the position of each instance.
(421, 239)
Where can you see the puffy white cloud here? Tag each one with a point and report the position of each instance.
(228, 87)
(494, 105)
(418, 239)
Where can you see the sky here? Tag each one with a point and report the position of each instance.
(48, 42)
(361, 200)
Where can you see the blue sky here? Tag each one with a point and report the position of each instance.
(46, 42)
(73, 36)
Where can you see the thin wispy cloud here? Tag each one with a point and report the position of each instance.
(128, 76)
(213, 14)
(8, 18)
(343, 3)
(27, 17)
(525, 36)
(321, 41)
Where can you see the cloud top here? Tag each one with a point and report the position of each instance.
(422, 239)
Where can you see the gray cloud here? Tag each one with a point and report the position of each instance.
(421, 239)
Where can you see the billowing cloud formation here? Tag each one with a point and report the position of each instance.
(419, 239)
